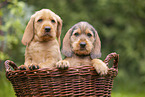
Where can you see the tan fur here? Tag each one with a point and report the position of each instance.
(82, 32)
(78, 61)
(42, 48)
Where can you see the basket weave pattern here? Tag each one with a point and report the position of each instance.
(80, 81)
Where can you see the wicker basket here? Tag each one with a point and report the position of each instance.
(80, 81)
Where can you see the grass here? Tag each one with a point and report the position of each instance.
(120, 94)
(120, 89)
(6, 89)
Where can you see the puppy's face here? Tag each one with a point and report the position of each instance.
(45, 25)
(82, 39)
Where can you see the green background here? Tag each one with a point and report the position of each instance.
(120, 25)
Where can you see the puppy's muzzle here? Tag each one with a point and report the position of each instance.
(47, 29)
(82, 44)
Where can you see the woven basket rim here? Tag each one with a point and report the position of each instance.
(79, 69)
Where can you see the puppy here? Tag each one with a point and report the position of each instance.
(42, 40)
(82, 46)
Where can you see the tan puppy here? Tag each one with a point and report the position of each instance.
(40, 37)
(82, 46)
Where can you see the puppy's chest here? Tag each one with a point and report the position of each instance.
(83, 62)
(41, 50)
(79, 62)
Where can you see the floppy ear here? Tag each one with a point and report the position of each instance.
(66, 47)
(96, 52)
(29, 32)
(59, 27)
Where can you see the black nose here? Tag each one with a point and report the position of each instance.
(47, 29)
(82, 44)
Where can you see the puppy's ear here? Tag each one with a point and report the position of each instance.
(59, 27)
(66, 47)
(96, 52)
(29, 32)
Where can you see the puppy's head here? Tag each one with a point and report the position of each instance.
(82, 39)
(44, 25)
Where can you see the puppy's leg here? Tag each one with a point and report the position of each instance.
(34, 66)
(100, 66)
(29, 63)
(23, 67)
(63, 64)
(30, 67)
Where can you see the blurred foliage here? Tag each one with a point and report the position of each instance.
(3, 56)
(14, 18)
(120, 25)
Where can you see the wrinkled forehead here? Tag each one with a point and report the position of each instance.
(83, 28)
(44, 14)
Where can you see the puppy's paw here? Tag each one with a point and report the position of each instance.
(22, 67)
(63, 64)
(33, 67)
(100, 66)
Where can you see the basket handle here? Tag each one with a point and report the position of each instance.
(116, 59)
(9, 63)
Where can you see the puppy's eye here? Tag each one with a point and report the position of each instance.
(76, 34)
(89, 34)
(40, 20)
(53, 21)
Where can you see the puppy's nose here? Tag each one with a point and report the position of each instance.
(47, 29)
(82, 44)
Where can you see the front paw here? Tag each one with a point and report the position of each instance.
(33, 67)
(63, 64)
(100, 66)
(22, 67)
